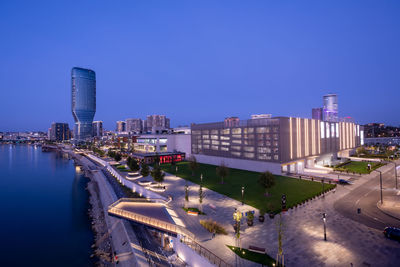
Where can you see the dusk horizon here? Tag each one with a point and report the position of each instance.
(200, 62)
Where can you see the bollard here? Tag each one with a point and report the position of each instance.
(358, 210)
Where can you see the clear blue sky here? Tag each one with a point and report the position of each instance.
(199, 61)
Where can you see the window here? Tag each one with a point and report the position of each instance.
(337, 129)
(322, 129)
(225, 143)
(260, 143)
(275, 150)
(236, 147)
(214, 131)
(224, 148)
(276, 157)
(260, 136)
(262, 130)
(215, 137)
(236, 130)
(264, 150)
(248, 155)
(224, 137)
(163, 140)
(267, 137)
(206, 146)
(205, 132)
(237, 154)
(248, 148)
(214, 142)
(275, 129)
(268, 143)
(275, 143)
(262, 156)
(214, 147)
(248, 130)
(249, 136)
(237, 136)
(196, 132)
(328, 134)
(236, 141)
(333, 129)
(206, 141)
(275, 136)
(362, 137)
(358, 130)
(226, 131)
(164, 148)
(206, 136)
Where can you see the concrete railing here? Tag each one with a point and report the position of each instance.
(135, 187)
(168, 227)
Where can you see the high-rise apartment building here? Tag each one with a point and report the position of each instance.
(317, 114)
(157, 123)
(97, 128)
(121, 126)
(134, 125)
(83, 100)
(330, 109)
(59, 131)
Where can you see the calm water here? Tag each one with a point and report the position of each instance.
(43, 218)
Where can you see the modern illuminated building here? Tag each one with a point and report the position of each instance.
(121, 126)
(83, 91)
(156, 123)
(330, 109)
(98, 128)
(59, 131)
(134, 125)
(278, 144)
(317, 113)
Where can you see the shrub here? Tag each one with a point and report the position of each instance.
(213, 226)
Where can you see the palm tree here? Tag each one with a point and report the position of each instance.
(145, 170)
(193, 164)
(158, 174)
(266, 180)
(222, 171)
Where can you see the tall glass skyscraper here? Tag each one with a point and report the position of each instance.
(83, 101)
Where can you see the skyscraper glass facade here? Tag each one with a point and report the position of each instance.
(83, 101)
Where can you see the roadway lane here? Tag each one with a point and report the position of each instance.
(366, 196)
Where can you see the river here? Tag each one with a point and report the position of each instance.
(44, 206)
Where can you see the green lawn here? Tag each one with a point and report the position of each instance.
(359, 166)
(296, 190)
(263, 259)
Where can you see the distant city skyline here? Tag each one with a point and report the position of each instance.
(199, 62)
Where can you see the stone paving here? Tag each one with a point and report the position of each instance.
(348, 242)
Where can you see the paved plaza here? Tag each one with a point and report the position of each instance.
(349, 243)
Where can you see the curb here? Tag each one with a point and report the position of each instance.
(391, 214)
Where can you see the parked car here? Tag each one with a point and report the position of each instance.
(392, 233)
(343, 181)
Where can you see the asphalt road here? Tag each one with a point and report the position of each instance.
(366, 197)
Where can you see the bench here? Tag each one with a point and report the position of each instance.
(212, 206)
(257, 249)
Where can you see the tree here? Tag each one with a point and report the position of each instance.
(201, 197)
(222, 171)
(158, 174)
(117, 157)
(186, 195)
(145, 170)
(266, 180)
(132, 164)
(193, 164)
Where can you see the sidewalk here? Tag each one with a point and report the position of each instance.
(391, 204)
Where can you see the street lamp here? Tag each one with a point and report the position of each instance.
(324, 219)
(380, 180)
(201, 178)
(242, 195)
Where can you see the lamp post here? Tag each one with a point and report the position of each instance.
(242, 195)
(380, 181)
(201, 178)
(324, 219)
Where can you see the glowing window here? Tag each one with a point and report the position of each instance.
(322, 129)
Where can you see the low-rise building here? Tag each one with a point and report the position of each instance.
(279, 144)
